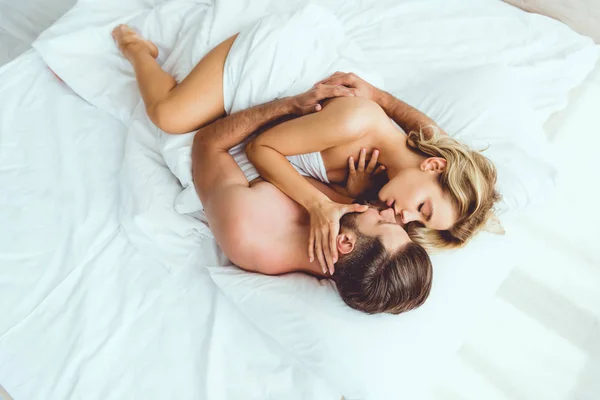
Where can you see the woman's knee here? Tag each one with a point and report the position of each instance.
(164, 116)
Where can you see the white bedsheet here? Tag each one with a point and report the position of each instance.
(85, 314)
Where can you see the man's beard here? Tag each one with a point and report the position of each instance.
(348, 222)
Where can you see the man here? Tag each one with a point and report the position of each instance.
(380, 269)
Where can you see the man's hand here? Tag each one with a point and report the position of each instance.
(352, 81)
(310, 101)
(406, 116)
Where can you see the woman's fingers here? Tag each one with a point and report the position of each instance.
(361, 160)
(373, 161)
(311, 245)
(333, 232)
(319, 251)
(356, 208)
(327, 250)
(379, 170)
(351, 166)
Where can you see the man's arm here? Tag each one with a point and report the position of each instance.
(213, 167)
(406, 116)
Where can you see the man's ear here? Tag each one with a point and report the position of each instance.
(434, 164)
(345, 242)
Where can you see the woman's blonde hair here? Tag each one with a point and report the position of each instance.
(469, 179)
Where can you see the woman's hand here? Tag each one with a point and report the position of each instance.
(310, 101)
(360, 178)
(352, 81)
(324, 228)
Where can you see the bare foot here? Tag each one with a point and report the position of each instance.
(130, 42)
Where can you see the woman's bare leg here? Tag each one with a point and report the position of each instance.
(176, 108)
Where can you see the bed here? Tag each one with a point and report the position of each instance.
(92, 306)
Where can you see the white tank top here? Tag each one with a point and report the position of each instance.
(310, 164)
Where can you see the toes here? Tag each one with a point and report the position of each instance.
(128, 40)
(153, 49)
(122, 31)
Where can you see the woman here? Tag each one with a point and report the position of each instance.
(442, 191)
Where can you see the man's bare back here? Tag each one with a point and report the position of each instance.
(275, 215)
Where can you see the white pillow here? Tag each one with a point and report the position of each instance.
(413, 44)
(412, 40)
(403, 41)
(581, 15)
(374, 356)
(489, 108)
(80, 50)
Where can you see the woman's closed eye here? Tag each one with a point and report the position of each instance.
(426, 213)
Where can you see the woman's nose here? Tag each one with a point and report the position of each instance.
(407, 216)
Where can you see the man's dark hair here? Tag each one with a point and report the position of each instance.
(372, 280)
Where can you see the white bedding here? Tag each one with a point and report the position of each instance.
(105, 315)
(85, 314)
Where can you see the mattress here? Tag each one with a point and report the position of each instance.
(100, 318)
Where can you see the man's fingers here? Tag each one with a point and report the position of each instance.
(340, 91)
(330, 91)
(361, 159)
(351, 166)
(318, 107)
(379, 170)
(342, 79)
(373, 161)
(328, 78)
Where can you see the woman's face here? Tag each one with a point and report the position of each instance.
(415, 194)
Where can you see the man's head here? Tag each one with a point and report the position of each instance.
(380, 269)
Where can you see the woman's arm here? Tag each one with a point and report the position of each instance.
(341, 121)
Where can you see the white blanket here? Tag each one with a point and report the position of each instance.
(87, 309)
(120, 304)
